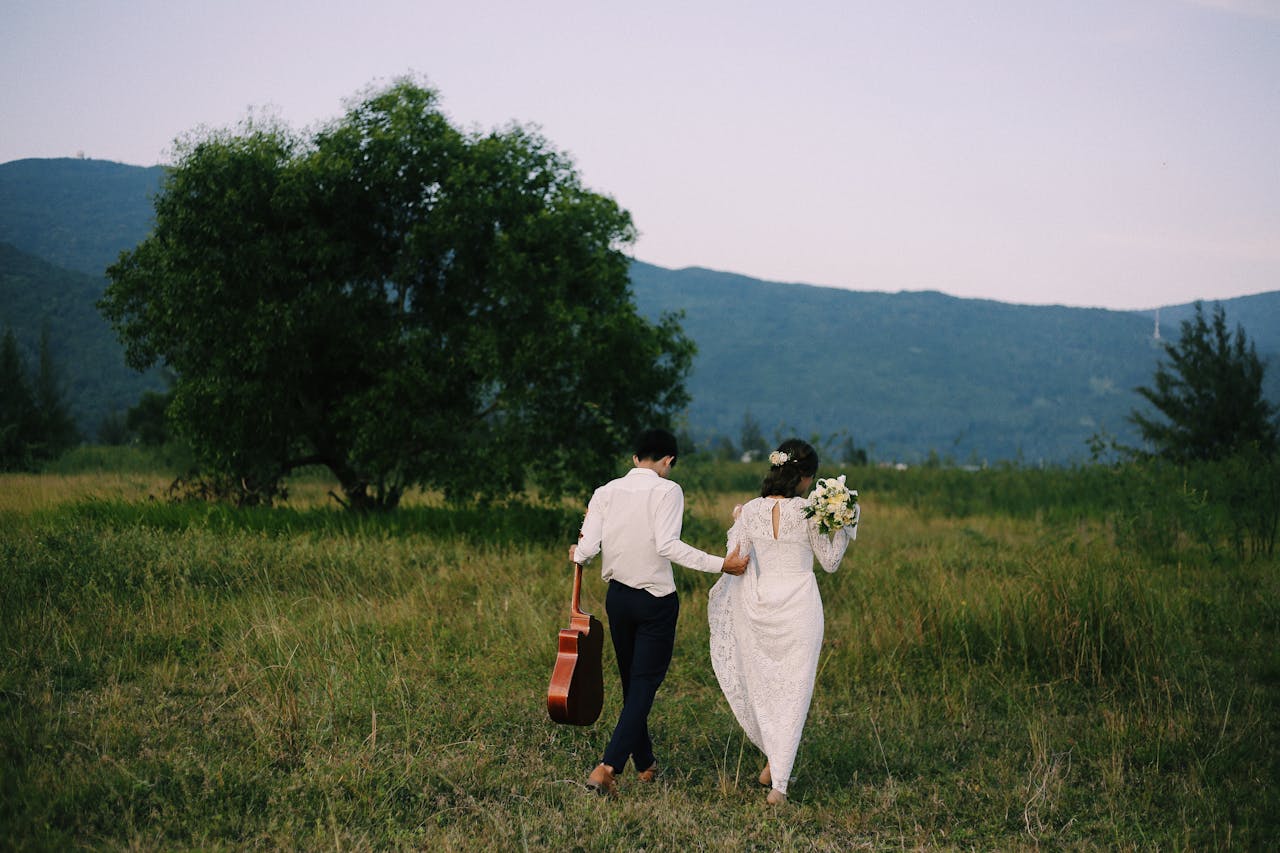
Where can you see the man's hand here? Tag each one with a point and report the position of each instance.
(735, 563)
(573, 553)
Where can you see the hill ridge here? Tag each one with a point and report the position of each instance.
(905, 373)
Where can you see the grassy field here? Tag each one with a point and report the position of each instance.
(192, 676)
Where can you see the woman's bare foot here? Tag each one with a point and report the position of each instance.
(775, 797)
(766, 777)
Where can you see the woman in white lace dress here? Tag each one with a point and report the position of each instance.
(766, 625)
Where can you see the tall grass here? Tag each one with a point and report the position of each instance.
(199, 677)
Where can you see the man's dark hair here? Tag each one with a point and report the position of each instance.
(653, 444)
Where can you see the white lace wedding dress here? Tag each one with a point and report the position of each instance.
(766, 625)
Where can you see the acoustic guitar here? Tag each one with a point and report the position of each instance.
(576, 694)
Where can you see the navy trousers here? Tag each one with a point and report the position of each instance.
(643, 629)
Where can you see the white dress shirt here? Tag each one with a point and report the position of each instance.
(635, 521)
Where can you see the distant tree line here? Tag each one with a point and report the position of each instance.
(35, 421)
(751, 444)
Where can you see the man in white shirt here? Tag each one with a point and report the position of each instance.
(634, 521)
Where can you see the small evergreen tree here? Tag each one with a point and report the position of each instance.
(752, 438)
(17, 407)
(35, 423)
(851, 454)
(722, 448)
(113, 430)
(1209, 394)
(55, 429)
(149, 419)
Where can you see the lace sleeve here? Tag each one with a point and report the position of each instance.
(830, 549)
(738, 536)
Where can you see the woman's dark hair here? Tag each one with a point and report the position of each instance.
(784, 479)
(654, 444)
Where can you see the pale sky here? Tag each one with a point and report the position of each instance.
(1115, 153)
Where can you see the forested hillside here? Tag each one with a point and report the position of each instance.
(35, 293)
(76, 214)
(913, 373)
(905, 373)
(902, 374)
(1260, 315)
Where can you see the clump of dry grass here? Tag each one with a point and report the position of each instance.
(24, 494)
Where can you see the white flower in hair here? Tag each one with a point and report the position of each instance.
(778, 457)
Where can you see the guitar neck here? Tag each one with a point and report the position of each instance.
(575, 606)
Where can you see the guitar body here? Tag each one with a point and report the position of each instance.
(575, 696)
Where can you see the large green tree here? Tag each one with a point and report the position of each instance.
(1209, 395)
(398, 300)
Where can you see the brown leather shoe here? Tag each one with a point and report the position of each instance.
(648, 775)
(601, 780)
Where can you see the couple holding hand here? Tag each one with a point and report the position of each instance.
(765, 613)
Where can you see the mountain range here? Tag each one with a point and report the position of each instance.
(904, 375)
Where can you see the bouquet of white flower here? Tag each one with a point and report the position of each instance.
(834, 505)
